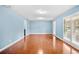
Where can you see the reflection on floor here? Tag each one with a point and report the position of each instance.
(40, 44)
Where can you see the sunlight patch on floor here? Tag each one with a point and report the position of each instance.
(40, 51)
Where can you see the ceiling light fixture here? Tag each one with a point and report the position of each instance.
(40, 11)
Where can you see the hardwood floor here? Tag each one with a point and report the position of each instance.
(40, 44)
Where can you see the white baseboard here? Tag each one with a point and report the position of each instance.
(68, 42)
(11, 44)
(58, 37)
(27, 34)
(71, 43)
(40, 33)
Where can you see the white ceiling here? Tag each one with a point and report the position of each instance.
(41, 12)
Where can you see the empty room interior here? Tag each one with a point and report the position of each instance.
(39, 29)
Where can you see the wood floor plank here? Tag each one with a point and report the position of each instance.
(40, 44)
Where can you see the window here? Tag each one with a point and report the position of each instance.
(71, 30)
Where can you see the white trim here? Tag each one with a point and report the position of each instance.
(27, 34)
(11, 44)
(54, 27)
(71, 43)
(68, 42)
(40, 33)
(37, 33)
(63, 27)
(40, 19)
(57, 36)
(66, 38)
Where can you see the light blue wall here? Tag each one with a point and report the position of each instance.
(59, 20)
(11, 26)
(59, 27)
(39, 27)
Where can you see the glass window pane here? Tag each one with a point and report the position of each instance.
(68, 29)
